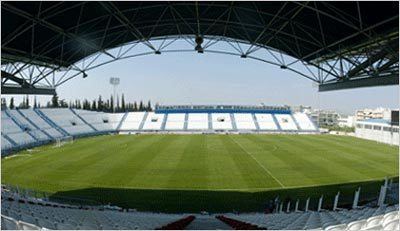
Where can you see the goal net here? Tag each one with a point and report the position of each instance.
(63, 141)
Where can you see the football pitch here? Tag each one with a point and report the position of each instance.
(201, 171)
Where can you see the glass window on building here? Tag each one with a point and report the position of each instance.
(376, 127)
(367, 126)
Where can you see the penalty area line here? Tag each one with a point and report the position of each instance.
(18, 155)
(262, 166)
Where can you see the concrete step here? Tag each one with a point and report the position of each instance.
(205, 222)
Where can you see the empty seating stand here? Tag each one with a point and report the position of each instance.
(68, 121)
(34, 214)
(40, 123)
(27, 127)
(286, 122)
(14, 132)
(266, 122)
(132, 121)
(153, 121)
(221, 121)
(99, 121)
(175, 121)
(244, 121)
(197, 121)
(381, 218)
(304, 122)
(35, 131)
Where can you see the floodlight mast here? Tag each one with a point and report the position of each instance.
(115, 82)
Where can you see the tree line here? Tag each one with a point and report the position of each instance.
(100, 104)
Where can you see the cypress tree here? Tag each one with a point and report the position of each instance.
(141, 107)
(111, 103)
(22, 104)
(149, 106)
(12, 103)
(27, 102)
(107, 106)
(54, 100)
(117, 105)
(100, 106)
(35, 102)
(3, 103)
(94, 108)
(123, 103)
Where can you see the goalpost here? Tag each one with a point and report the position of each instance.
(63, 141)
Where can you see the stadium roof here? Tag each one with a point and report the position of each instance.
(57, 35)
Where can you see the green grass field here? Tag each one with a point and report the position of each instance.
(190, 172)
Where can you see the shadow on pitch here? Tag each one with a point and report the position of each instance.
(215, 201)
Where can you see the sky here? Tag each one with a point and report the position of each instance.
(192, 78)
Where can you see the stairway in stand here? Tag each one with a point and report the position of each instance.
(207, 222)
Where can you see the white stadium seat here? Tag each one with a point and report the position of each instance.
(5, 144)
(132, 121)
(67, 120)
(198, 121)
(286, 122)
(355, 219)
(304, 121)
(266, 122)
(391, 225)
(244, 121)
(175, 121)
(41, 123)
(8, 125)
(153, 121)
(21, 138)
(221, 121)
(356, 225)
(33, 217)
(8, 223)
(99, 120)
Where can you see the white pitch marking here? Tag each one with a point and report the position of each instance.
(262, 166)
(19, 155)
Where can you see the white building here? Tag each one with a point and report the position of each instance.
(324, 117)
(379, 130)
(346, 121)
(377, 113)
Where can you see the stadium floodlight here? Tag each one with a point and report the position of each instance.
(115, 82)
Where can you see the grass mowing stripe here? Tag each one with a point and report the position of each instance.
(346, 151)
(262, 166)
(327, 159)
(237, 170)
(302, 159)
(280, 163)
(191, 164)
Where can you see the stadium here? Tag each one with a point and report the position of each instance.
(197, 166)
